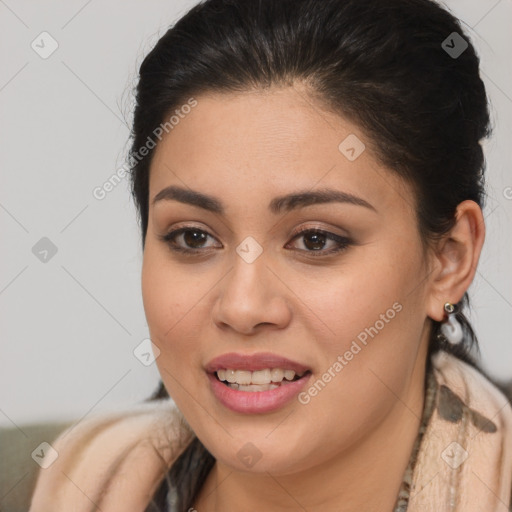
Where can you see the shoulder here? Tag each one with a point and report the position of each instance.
(475, 388)
(113, 461)
(490, 412)
(469, 433)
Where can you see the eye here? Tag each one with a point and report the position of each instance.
(314, 240)
(193, 237)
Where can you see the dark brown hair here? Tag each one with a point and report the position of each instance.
(382, 64)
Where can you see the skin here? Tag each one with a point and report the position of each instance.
(351, 443)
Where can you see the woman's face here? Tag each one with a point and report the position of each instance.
(352, 319)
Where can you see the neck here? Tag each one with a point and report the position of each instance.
(366, 477)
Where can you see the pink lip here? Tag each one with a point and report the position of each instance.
(254, 362)
(254, 402)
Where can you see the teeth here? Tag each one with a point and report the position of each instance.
(244, 378)
(230, 376)
(277, 375)
(259, 377)
(253, 387)
(289, 374)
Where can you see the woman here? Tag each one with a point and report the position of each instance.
(309, 179)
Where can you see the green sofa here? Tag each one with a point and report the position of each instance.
(18, 470)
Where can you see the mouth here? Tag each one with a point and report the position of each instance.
(256, 383)
(259, 380)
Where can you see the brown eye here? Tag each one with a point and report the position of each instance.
(314, 241)
(193, 239)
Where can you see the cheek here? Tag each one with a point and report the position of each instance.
(176, 306)
(169, 298)
(369, 322)
(362, 369)
(168, 292)
(362, 299)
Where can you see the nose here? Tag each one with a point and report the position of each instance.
(251, 297)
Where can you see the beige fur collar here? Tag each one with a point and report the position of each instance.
(465, 459)
(464, 462)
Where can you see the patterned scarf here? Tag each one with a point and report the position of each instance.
(461, 460)
(462, 457)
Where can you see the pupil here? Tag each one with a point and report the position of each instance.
(191, 240)
(317, 243)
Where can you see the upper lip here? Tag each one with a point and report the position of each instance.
(254, 362)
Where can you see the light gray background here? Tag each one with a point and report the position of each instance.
(70, 325)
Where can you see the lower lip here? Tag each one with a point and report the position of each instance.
(254, 402)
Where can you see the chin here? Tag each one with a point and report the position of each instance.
(261, 453)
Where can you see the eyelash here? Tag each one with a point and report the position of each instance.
(343, 242)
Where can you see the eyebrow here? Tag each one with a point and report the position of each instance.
(277, 205)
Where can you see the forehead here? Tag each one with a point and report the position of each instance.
(267, 143)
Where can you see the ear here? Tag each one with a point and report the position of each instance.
(455, 258)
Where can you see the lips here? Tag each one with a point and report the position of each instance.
(256, 401)
(259, 402)
(254, 362)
